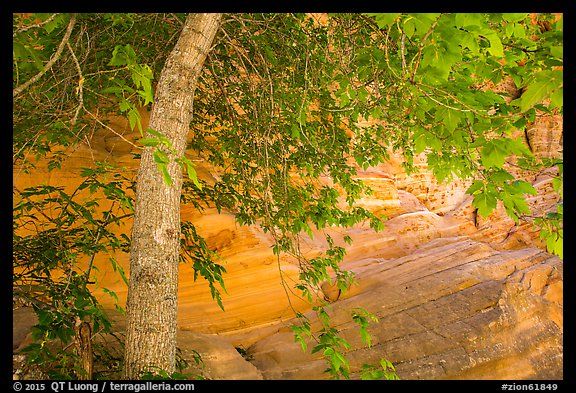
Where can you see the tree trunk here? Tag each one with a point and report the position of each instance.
(152, 293)
(84, 349)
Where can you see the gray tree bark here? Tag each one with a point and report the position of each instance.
(152, 304)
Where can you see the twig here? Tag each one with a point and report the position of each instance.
(111, 129)
(177, 19)
(386, 55)
(445, 105)
(419, 54)
(402, 51)
(51, 62)
(80, 89)
(525, 50)
(96, 240)
(455, 99)
(41, 211)
(402, 38)
(39, 24)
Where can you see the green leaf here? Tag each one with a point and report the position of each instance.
(557, 99)
(123, 55)
(384, 20)
(192, 174)
(476, 186)
(558, 185)
(408, 27)
(161, 137)
(496, 48)
(439, 59)
(57, 21)
(468, 19)
(559, 245)
(420, 144)
(534, 94)
(517, 146)
(551, 241)
(23, 52)
(485, 202)
(449, 117)
(423, 22)
(149, 142)
(509, 30)
(500, 175)
(348, 239)
(514, 17)
(493, 154)
(134, 118)
(523, 187)
(544, 83)
(520, 123)
(557, 51)
(295, 131)
(341, 360)
(514, 203)
(519, 30)
(160, 157)
(366, 337)
(111, 293)
(167, 178)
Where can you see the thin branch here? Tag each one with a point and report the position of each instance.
(402, 51)
(419, 54)
(525, 50)
(39, 24)
(386, 54)
(478, 112)
(446, 105)
(79, 89)
(96, 240)
(402, 47)
(40, 210)
(51, 62)
(111, 129)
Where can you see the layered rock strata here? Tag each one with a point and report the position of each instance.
(452, 309)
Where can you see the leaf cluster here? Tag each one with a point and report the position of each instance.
(195, 250)
(446, 70)
(56, 236)
(333, 347)
(99, 65)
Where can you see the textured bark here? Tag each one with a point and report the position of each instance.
(152, 293)
(84, 349)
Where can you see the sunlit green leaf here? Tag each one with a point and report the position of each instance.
(384, 20)
(485, 202)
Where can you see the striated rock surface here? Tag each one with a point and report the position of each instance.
(452, 309)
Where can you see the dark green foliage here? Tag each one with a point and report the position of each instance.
(195, 250)
(55, 238)
(49, 113)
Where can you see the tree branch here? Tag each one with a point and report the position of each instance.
(79, 89)
(419, 54)
(39, 24)
(51, 62)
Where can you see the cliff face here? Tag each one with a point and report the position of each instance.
(457, 295)
(452, 309)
